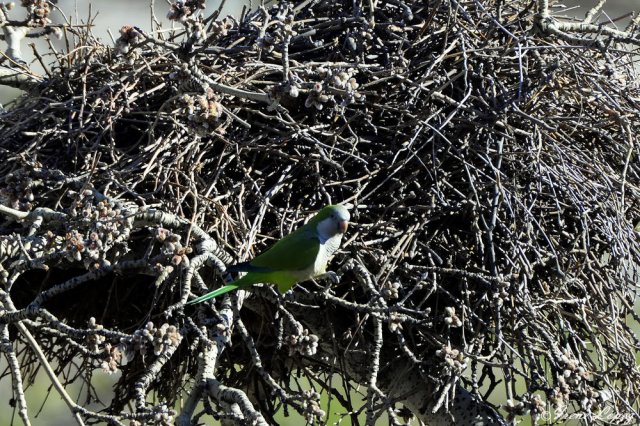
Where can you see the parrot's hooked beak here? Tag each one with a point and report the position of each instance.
(342, 225)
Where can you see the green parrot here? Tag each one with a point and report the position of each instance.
(299, 256)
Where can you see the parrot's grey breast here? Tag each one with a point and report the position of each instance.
(319, 267)
(330, 245)
(327, 248)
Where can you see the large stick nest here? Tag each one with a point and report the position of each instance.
(492, 172)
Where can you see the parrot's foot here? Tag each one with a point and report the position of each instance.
(287, 296)
(331, 276)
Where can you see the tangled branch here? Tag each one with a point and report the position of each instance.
(488, 152)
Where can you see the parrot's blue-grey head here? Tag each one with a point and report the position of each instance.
(332, 220)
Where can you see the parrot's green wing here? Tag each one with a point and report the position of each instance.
(295, 252)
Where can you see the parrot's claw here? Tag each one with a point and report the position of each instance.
(288, 295)
(331, 276)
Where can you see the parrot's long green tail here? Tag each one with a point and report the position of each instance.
(214, 293)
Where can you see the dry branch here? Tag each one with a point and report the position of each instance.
(489, 151)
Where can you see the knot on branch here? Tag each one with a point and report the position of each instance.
(311, 405)
(161, 339)
(454, 359)
(302, 342)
